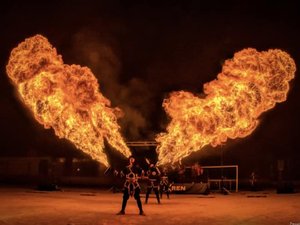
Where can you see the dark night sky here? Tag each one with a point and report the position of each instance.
(142, 50)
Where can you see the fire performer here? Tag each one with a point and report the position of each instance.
(153, 182)
(164, 185)
(197, 173)
(132, 173)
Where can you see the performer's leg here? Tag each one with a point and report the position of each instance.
(147, 194)
(168, 194)
(157, 195)
(125, 199)
(161, 191)
(138, 200)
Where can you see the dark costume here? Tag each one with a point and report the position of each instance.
(253, 181)
(165, 186)
(153, 182)
(131, 186)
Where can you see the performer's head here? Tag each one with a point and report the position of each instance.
(131, 159)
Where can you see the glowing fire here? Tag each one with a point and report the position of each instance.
(64, 97)
(249, 84)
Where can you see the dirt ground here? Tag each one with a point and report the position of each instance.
(88, 207)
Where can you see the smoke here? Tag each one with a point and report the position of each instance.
(100, 52)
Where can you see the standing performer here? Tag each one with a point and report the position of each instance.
(253, 181)
(131, 186)
(153, 182)
(197, 173)
(164, 185)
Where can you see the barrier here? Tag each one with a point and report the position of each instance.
(190, 188)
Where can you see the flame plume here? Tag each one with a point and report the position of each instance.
(249, 84)
(64, 97)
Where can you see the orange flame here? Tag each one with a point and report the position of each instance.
(64, 98)
(249, 84)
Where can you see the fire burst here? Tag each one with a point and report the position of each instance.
(64, 97)
(249, 84)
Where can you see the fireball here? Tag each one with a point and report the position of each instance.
(249, 84)
(65, 98)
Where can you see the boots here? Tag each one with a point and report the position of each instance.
(142, 213)
(121, 212)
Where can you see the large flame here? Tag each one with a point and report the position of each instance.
(249, 84)
(65, 98)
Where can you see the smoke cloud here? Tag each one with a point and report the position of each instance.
(100, 52)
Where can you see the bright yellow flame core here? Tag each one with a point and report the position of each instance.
(65, 98)
(249, 84)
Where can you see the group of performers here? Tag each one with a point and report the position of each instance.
(156, 181)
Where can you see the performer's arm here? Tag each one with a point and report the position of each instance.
(158, 171)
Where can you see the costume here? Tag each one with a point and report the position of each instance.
(131, 186)
(197, 173)
(153, 182)
(164, 185)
